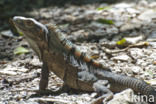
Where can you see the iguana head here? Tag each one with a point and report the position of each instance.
(31, 28)
(35, 33)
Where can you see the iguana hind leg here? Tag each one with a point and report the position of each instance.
(102, 88)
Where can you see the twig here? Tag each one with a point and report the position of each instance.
(108, 51)
(53, 100)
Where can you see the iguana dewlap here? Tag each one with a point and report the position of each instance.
(74, 67)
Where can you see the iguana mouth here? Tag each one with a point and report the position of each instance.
(18, 23)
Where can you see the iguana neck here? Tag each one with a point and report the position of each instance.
(35, 47)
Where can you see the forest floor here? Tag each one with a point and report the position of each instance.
(121, 36)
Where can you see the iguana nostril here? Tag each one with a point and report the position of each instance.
(15, 18)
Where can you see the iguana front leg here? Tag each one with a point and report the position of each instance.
(44, 83)
(44, 77)
(102, 88)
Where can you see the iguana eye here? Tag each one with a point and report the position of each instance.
(29, 23)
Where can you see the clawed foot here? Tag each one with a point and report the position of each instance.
(102, 99)
(102, 88)
(42, 92)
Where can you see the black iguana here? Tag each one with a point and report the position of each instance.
(74, 67)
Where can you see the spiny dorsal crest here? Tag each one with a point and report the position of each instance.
(73, 49)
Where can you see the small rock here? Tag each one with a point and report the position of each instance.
(35, 61)
(133, 40)
(152, 5)
(69, 18)
(152, 36)
(7, 33)
(14, 69)
(5, 72)
(12, 102)
(143, 3)
(123, 5)
(118, 23)
(112, 30)
(132, 11)
(129, 26)
(123, 98)
(136, 69)
(147, 16)
(122, 58)
(136, 21)
(83, 48)
(93, 94)
(97, 25)
(136, 53)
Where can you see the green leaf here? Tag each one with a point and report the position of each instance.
(104, 8)
(105, 21)
(95, 56)
(20, 33)
(20, 50)
(151, 82)
(121, 42)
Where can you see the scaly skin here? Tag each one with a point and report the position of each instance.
(74, 67)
